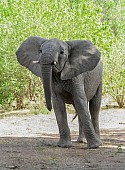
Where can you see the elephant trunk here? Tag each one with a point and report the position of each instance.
(47, 76)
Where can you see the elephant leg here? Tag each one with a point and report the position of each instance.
(61, 117)
(94, 107)
(81, 132)
(81, 106)
(93, 140)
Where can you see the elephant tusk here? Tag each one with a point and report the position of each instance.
(36, 62)
(54, 62)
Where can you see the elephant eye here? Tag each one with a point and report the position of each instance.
(62, 52)
(40, 50)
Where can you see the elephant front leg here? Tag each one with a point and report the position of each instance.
(92, 139)
(61, 117)
(81, 107)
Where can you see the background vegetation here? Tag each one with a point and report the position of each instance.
(101, 21)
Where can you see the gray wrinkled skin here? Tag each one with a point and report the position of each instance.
(71, 72)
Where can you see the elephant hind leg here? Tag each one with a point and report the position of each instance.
(94, 107)
(81, 136)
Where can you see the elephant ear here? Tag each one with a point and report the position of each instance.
(28, 54)
(83, 57)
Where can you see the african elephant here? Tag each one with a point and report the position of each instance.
(71, 72)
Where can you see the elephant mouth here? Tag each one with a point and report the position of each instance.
(58, 67)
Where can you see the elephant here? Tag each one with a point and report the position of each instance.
(71, 72)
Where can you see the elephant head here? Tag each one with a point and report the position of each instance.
(69, 59)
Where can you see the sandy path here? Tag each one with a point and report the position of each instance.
(37, 125)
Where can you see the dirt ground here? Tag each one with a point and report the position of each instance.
(37, 152)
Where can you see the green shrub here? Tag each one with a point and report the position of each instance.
(114, 81)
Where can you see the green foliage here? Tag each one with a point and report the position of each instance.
(114, 56)
(102, 22)
(114, 80)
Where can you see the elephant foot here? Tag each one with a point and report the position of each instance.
(64, 144)
(94, 145)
